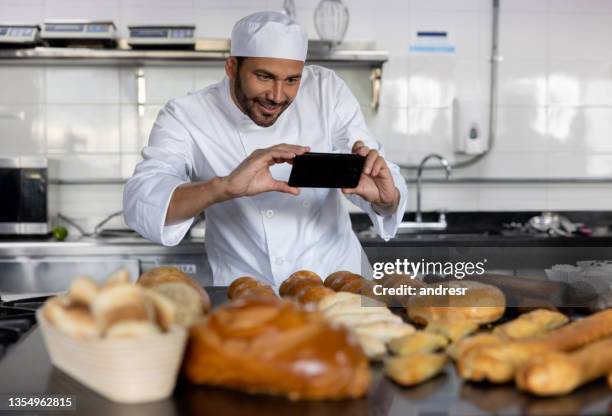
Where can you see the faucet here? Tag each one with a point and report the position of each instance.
(446, 166)
(418, 224)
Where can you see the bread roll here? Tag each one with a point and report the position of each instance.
(77, 322)
(453, 330)
(384, 331)
(481, 303)
(298, 285)
(298, 276)
(457, 349)
(82, 291)
(336, 280)
(165, 310)
(256, 291)
(187, 302)
(337, 298)
(121, 302)
(313, 294)
(168, 274)
(260, 345)
(353, 286)
(373, 348)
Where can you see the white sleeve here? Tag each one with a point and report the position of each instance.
(348, 127)
(167, 164)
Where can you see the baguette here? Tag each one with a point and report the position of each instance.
(499, 363)
(557, 373)
(530, 324)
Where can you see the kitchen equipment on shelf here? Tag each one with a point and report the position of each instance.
(331, 19)
(23, 192)
(162, 36)
(75, 33)
(18, 35)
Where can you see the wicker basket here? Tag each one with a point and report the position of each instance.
(129, 370)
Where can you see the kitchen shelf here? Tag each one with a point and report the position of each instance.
(213, 51)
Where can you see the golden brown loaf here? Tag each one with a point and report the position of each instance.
(313, 294)
(168, 274)
(273, 346)
(412, 369)
(297, 277)
(336, 280)
(481, 303)
(247, 286)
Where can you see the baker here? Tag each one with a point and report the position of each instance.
(224, 150)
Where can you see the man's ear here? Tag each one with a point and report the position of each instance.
(231, 65)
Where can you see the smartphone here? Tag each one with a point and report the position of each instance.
(326, 170)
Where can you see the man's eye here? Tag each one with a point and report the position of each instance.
(264, 77)
(291, 81)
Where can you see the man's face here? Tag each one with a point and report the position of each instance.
(264, 87)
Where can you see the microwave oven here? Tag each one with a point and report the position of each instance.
(23, 195)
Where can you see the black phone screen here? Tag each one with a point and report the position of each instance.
(326, 170)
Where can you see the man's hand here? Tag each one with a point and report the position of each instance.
(376, 183)
(253, 176)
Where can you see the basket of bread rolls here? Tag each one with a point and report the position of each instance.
(123, 340)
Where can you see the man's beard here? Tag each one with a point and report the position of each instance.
(243, 101)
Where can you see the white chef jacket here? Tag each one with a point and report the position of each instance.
(273, 234)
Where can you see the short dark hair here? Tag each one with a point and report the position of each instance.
(239, 61)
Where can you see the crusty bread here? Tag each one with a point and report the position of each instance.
(77, 322)
(313, 294)
(263, 345)
(82, 291)
(557, 373)
(481, 303)
(119, 276)
(531, 323)
(165, 310)
(121, 302)
(499, 363)
(187, 302)
(336, 280)
(168, 274)
(298, 277)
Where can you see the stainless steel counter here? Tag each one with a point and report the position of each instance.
(117, 246)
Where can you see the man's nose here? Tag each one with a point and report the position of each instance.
(276, 94)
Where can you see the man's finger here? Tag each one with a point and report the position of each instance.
(369, 162)
(291, 148)
(282, 186)
(379, 165)
(357, 145)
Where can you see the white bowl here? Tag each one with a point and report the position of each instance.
(127, 370)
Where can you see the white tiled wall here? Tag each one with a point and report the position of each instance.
(554, 104)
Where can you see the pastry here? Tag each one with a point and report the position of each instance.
(418, 341)
(526, 325)
(82, 291)
(415, 368)
(187, 302)
(499, 363)
(531, 323)
(453, 330)
(557, 373)
(260, 345)
(457, 349)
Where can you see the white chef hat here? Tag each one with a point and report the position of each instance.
(269, 35)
